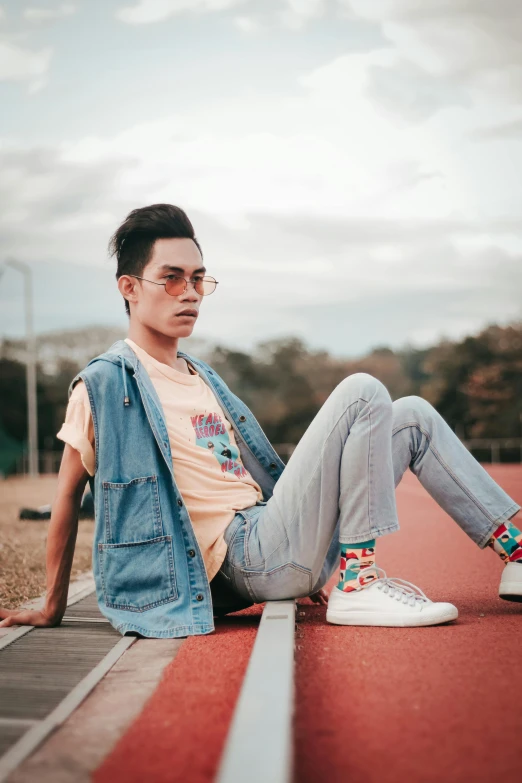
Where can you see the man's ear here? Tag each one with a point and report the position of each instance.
(127, 288)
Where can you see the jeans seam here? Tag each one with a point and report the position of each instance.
(313, 474)
(246, 583)
(232, 540)
(446, 467)
(246, 538)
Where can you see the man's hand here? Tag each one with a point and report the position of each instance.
(26, 617)
(318, 598)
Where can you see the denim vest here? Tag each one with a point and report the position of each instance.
(149, 572)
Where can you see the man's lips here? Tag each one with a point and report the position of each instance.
(187, 315)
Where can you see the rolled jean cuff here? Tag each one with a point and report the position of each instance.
(381, 531)
(511, 511)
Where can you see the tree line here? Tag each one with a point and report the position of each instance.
(474, 383)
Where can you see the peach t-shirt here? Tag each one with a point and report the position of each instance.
(207, 465)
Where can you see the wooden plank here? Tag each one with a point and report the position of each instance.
(35, 736)
(77, 591)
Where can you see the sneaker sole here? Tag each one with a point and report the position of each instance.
(511, 591)
(369, 618)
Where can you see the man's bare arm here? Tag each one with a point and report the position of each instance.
(61, 541)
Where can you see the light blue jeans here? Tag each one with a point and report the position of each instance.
(339, 487)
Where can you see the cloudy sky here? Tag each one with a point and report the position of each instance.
(352, 168)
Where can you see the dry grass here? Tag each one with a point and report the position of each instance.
(22, 543)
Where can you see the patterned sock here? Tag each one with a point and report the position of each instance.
(506, 541)
(355, 557)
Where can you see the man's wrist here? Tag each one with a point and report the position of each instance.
(54, 610)
(53, 615)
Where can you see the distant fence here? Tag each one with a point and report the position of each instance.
(509, 448)
(492, 450)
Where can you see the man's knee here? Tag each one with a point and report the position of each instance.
(412, 409)
(362, 385)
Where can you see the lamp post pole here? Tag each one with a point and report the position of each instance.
(30, 363)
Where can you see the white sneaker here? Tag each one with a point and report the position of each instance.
(386, 601)
(510, 587)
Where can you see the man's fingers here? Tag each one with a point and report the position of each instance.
(320, 597)
(7, 613)
(6, 616)
(13, 617)
(7, 622)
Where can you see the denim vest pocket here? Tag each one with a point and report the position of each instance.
(132, 510)
(138, 575)
(289, 580)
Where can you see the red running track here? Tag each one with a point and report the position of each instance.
(414, 705)
(180, 734)
(372, 704)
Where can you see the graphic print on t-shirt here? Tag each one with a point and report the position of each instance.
(211, 434)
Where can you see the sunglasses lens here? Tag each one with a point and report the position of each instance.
(204, 286)
(175, 286)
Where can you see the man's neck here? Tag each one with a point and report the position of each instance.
(159, 346)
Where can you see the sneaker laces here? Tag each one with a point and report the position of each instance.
(397, 588)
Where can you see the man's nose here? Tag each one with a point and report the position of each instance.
(190, 292)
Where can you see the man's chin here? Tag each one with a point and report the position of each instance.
(181, 332)
(173, 330)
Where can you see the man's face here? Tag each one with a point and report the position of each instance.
(156, 309)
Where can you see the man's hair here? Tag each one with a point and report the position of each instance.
(133, 241)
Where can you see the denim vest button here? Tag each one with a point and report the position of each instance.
(199, 597)
(180, 502)
(192, 552)
(273, 465)
(242, 418)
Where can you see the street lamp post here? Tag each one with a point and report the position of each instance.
(30, 363)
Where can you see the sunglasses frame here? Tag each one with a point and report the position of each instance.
(176, 277)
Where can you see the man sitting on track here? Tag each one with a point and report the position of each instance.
(188, 490)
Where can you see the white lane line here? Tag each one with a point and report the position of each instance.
(259, 744)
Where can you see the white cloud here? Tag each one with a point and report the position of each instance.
(509, 130)
(47, 14)
(297, 13)
(473, 42)
(247, 24)
(18, 65)
(151, 11)
(332, 148)
(364, 171)
(68, 206)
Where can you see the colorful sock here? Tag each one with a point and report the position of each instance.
(355, 557)
(506, 541)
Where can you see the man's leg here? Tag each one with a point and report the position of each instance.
(338, 485)
(337, 488)
(340, 488)
(424, 442)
